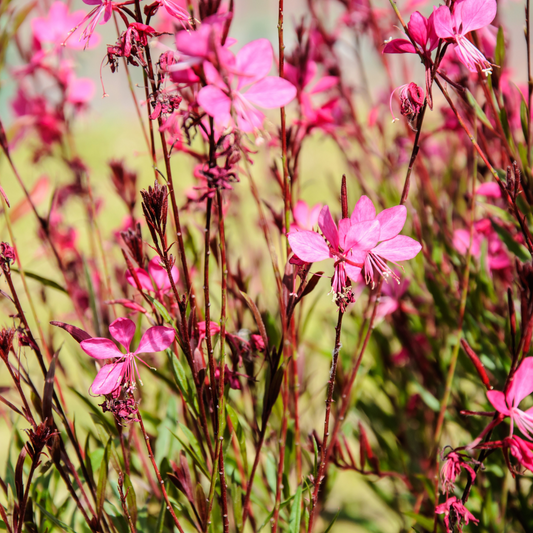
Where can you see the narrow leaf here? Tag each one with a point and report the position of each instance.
(42, 280)
(102, 480)
(514, 247)
(295, 517)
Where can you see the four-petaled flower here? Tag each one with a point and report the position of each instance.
(466, 16)
(507, 403)
(122, 371)
(250, 67)
(155, 280)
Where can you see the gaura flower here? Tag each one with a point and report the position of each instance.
(124, 369)
(251, 67)
(455, 513)
(422, 31)
(156, 279)
(507, 404)
(521, 450)
(305, 217)
(453, 26)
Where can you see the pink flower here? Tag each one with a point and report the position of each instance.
(452, 468)
(252, 65)
(177, 9)
(103, 7)
(305, 217)
(156, 279)
(123, 370)
(55, 27)
(422, 31)
(467, 16)
(507, 403)
(391, 295)
(521, 450)
(393, 247)
(455, 513)
(79, 90)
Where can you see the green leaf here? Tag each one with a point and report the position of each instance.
(131, 498)
(192, 447)
(427, 397)
(237, 508)
(499, 52)
(55, 520)
(477, 109)
(524, 118)
(239, 431)
(514, 247)
(43, 281)
(161, 309)
(102, 479)
(295, 517)
(333, 521)
(180, 377)
(424, 521)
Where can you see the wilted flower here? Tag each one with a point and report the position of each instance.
(455, 514)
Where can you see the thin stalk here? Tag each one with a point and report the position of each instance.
(529, 80)
(329, 400)
(157, 473)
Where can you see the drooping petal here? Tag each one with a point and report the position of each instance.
(364, 210)
(442, 20)
(271, 93)
(522, 384)
(474, 14)
(328, 227)
(308, 246)
(143, 277)
(109, 377)
(100, 348)
(353, 272)
(159, 274)
(363, 235)
(399, 46)
(156, 339)
(391, 221)
(123, 330)
(418, 29)
(253, 62)
(497, 399)
(400, 248)
(216, 104)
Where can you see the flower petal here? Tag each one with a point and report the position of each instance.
(159, 274)
(156, 339)
(497, 399)
(253, 62)
(391, 221)
(364, 210)
(475, 14)
(363, 236)
(271, 93)
(123, 330)
(143, 277)
(216, 103)
(308, 246)
(418, 28)
(100, 348)
(399, 46)
(328, 227)
(400, 248)
(522, 384)
(442, 19)
(108, 378)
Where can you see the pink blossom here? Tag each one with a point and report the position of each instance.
(305, 217)
(55, 27)
(467, 16)
(452, 468)
(251, 67)
(156, 279)
(391, 295)
(214, 328)
(123, 370)
(521, 450)
(79, 90)
(176, 9)
(455, 513)
(103, 7)
(490, 189)
(507, 403)
(422, 31)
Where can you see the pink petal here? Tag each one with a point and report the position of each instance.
(353, 272)
(386, 306)
(100, 348)
(213, 77)
(253, 62)
(442, 19)
(391, 221)
(327, 82)
(301, 214)
(364, 210)
(271, 93)
(159, 274)
(123, 330)
(475, 14)
(156, 339)
(216, 104)
(143, 277)
(308, 246)
(363, 236)
(522, 384)
(497, 399)
(489, 189)
(108, 378)
(399, 46)
(400, 248)
(328, 227)
(344, 227)
(248, 117)
(417, 26)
